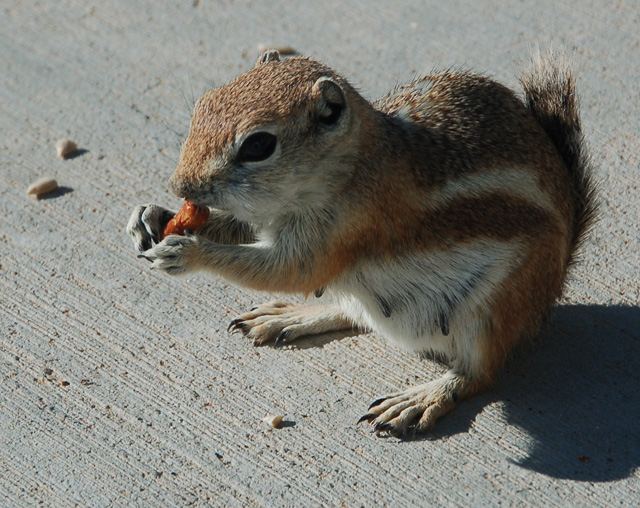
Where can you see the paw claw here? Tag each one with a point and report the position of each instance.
(377, 402)
(366, 418)
(383, 427)
(282, 338)
(233, 325)
(242, 327)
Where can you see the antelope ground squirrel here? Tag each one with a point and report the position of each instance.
(443, 216)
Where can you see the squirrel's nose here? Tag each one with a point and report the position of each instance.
(177, 187)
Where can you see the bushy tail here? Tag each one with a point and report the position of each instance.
(550, 94)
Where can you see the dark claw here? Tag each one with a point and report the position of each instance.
(282, 337)
(377, 402)
(232, 326)
(145, 257)
(255, 307)
(238, 324)
(367, 418)
(384, 427)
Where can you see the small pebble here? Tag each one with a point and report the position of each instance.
(42, 186)
(66, 147)
(274, 420)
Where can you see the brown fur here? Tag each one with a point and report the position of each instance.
(518, 313)
(401, 230)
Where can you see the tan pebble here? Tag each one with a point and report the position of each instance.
(283, 50)
(66, 147)
(42, 186)
(274, 420)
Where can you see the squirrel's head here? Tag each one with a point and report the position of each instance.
(275, 140)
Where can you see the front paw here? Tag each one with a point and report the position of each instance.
(146, 225)
(173, 255)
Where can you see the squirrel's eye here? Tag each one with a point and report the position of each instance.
(257, 147)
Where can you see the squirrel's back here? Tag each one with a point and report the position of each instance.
(467, 123)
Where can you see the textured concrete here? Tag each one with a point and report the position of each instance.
(120, 386)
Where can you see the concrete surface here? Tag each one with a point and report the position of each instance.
(121, 387)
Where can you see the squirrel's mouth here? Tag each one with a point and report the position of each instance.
(209, 198)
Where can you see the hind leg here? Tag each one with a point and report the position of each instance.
(480, 353)
(284, 322)
(416, 410)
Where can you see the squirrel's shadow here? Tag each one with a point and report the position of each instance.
(321, 340)
(575, 393)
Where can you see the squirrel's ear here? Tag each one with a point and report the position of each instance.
(271, 55)
(331, 100)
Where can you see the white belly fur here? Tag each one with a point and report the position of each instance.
(439, 300)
